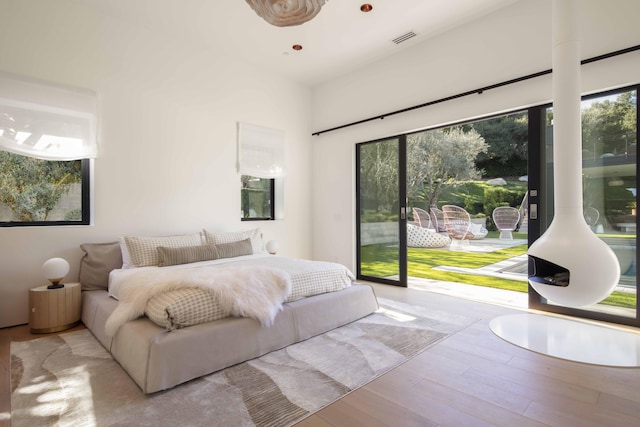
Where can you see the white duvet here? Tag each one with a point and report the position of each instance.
(118, 276)
(308, 278)
(248, 291)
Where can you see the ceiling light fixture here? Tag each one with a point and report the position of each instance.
(366, 8)
(286, 13)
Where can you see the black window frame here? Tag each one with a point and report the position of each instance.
(272, 193)
(538, 157)
(542, 193)
(85, 173)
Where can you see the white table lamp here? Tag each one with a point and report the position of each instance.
(55, 269)
(272, 246)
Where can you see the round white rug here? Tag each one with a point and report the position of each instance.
(570, 339)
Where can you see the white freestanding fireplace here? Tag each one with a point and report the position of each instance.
(571, 265)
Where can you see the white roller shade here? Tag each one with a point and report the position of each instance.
(46, 121)
(260, 151)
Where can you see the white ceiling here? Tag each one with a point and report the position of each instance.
(338, 40)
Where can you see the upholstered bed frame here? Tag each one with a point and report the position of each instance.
(157, 359)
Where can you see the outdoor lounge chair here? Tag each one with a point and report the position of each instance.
(437, 219)
(419, 237)
(459, 226)
(421, 218)
(506, 220)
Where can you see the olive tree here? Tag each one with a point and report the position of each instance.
(32, 187)
(440, 156)
(379, 175)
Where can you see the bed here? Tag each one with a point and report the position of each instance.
(167, 344)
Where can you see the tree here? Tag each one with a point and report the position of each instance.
(609, 125)
(32, 187)
(440, 156)
(379, 175)
(508, 139)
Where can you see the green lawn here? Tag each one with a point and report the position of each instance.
(381, 261)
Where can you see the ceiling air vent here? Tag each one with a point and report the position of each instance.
(404, 37)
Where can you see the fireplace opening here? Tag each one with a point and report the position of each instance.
(547, 273)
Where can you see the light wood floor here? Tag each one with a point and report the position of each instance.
(472, 378)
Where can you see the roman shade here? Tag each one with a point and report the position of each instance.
(260, 151)
(46, 121)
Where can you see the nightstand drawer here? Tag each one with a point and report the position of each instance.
(53, 310)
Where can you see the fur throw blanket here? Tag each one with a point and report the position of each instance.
(256, 292)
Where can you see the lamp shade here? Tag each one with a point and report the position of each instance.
(55, 269)
(272, 246)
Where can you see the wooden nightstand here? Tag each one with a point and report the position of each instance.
(53, 310)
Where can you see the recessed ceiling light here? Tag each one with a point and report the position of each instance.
(366, 7)
(296, 47)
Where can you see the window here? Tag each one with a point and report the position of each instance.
(257, 198)
(47, 136)
(43, 192)
(609, 184)
(260, 163)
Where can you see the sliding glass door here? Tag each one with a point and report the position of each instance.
(381, 206)
(386, 178)
(609, 172)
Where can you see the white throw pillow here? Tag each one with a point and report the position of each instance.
(217, 238)
(126, 259)
(476, 228)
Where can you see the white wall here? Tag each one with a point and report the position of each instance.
(508, 44)
(168, 114)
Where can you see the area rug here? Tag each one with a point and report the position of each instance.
(70, 380)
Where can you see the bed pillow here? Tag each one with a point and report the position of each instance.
(187, 254)
(143, 251)
(232, 250)
(230, 237)
(126, 261)
(96, 264)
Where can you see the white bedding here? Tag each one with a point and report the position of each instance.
(118, 276)
(180, 308)
(254, 291)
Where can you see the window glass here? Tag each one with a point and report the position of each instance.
(43, 192)
(257, 198)
(609, 164)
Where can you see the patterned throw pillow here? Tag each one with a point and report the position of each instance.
(184, 307)
(187, 254)
(231, 250)
(230, 237)
(143, 251)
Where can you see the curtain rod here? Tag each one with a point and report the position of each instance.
(477, 91)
